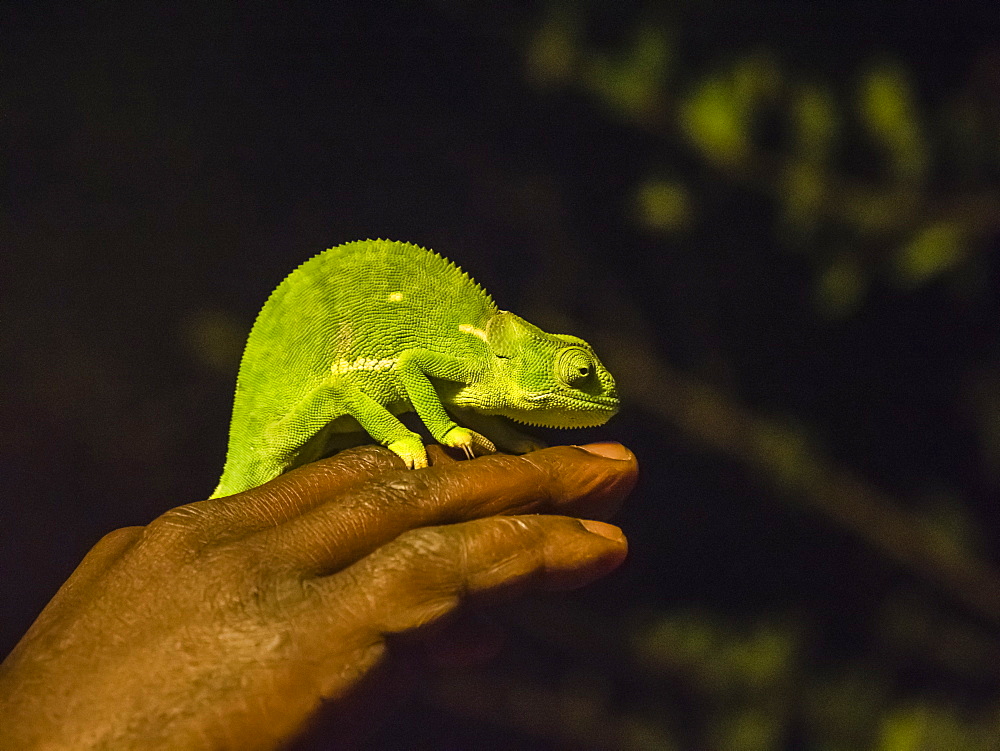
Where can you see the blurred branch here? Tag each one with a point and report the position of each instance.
(784, 457)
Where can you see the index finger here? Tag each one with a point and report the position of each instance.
(294, 493)
(570, 480)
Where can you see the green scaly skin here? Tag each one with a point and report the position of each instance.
(368, 330)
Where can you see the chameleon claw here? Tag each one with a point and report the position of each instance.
(468, 440)
(411, 451)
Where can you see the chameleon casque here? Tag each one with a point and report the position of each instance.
(370, 329)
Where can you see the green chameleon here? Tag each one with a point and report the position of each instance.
(371, 329)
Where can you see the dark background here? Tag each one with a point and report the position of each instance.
(812, 384)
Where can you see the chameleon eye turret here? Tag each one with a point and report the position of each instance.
(574, 367)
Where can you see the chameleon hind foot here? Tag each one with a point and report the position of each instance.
(411, 450)
(467, 440)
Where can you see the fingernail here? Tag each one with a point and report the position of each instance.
(608, 531)
(608, 450)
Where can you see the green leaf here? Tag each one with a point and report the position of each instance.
(934, 250)
(663, 206)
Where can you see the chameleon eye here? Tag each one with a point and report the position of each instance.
(574, 366)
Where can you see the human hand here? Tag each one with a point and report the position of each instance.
(228, 623)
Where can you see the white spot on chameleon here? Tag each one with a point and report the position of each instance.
(362, 363)
(468, 328)
(395, 297)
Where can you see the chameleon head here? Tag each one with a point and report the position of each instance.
(536, 378)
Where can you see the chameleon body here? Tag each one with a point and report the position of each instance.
(368, 330)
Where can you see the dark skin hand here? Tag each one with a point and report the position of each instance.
(230, 623)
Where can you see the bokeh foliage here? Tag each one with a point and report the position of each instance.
(866, 179)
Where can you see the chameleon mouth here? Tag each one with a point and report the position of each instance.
(603, 402)
(591, 411)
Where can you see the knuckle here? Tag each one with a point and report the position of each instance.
(369, 459)
(454, 553)
(186, 528)
(249, 561)
(176, 520)
(525, 529)
(547, 479)
(119, 537)
(428, 545)
(369, 455)
(517, 536)
(430, 558)
(426, 571)
(407, 494)
(263, 595)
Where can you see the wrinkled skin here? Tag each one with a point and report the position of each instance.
(230, 623)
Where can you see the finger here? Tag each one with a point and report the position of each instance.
(436, 454)
(290, 495)
(107, 550)
(100, 558)
(564, 480)
(425, 574)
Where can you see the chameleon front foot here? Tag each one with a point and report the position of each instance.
(468, 440)
(411, 450)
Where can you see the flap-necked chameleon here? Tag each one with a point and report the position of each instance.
(367, 330)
